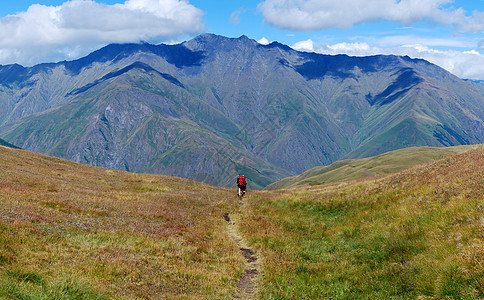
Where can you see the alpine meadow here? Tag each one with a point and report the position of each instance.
(71, 231)
(229, 168)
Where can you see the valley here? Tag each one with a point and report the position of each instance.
(213, 107)
(257, 149)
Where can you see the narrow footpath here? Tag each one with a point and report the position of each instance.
(248, 283)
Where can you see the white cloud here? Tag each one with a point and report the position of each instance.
(474, 23)
(464, 64)
(307, 45)
(351, 48)
(324, 14)
(79, 26)
(396, 40)
(263, 41)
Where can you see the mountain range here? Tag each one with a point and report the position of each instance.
(212, 107)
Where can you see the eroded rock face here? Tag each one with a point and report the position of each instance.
(213, 107)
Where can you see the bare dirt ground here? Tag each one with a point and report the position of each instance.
(248, 283)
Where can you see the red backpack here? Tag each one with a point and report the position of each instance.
(242, 180)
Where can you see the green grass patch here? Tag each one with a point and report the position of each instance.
(28, 285)
(413, 234)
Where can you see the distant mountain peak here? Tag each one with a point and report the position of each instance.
(244, 37)
(210, 42)
(214, 106)
(278, 45)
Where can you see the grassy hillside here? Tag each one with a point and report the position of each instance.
(416, 233)
(352, 169)
(70, 231)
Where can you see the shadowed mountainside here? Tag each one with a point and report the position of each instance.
(4, 143)
(213, 107)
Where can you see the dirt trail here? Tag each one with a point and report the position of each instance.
(248, 283)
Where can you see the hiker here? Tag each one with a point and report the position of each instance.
(242, 185)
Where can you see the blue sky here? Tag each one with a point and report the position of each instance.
(445, 32)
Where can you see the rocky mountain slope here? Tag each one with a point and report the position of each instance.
(213, 107)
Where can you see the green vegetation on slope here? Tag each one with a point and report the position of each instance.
(353, 169)
(70, 231)
(417, 233)
(234, 105)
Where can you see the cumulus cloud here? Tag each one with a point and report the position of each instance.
(79, 26)
(474, 23)
(395, 40)
(307, 45)
(263, 41)
(464, 64)
(324, 14)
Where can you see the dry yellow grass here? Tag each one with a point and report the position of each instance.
(70, 231)
(102, 233)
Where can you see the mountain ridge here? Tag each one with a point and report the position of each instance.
(238, 104)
